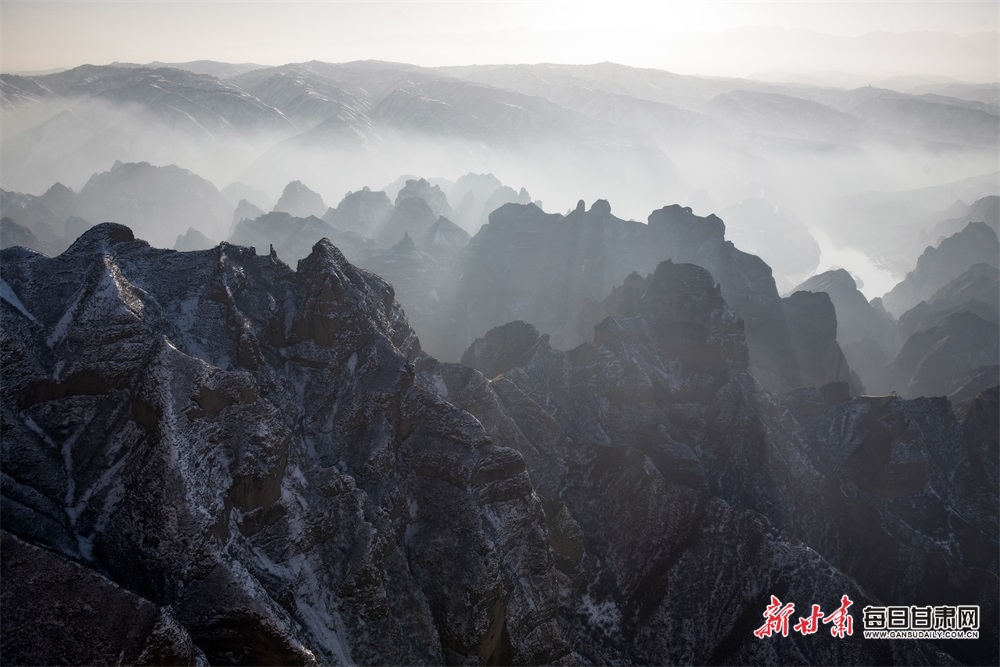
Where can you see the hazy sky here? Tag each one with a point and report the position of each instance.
(730, 38)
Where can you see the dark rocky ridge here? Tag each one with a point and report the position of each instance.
(554, 271)
(857, 319)
(268, 452)
(243, 442)
(812, 323)
(857, 480)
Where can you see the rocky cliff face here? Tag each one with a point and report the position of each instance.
(812, 323)
(244, 444)
(364, 212)
(258, 465)
(153, 199)
(298, 200)
(938, 266)
(651, 451)
(857, 319)
(554, 271)
(866, 333)
(935, 361)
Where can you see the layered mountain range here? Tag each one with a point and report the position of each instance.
(504, 258)
(443, 422)
(246, 463)
(736, 147)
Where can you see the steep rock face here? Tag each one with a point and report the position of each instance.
(300, 201)
(96, 621)
(422, 282)
(245, 210)
(651, 454)
(152, 200)
(444, 239)
(12, 234)
(935, 361)
(364, 212)
(980, 283)
(216, 432)
(44, 216)
(986, 209)
(857, 319)
(503, 348)
(192, 239)
(478, 195)
(812, 323)
(432, 195)
(938, 266)
(554, 271)
(977, 290)
(411, 216)
(975, 382)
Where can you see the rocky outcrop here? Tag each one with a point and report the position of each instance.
(935, 361)
(44, 216)
(651, 453)
(245, 444)
(977, 291)
(411, 216)
(986, 209)
(13, 234)
(444, 239)
(812, 323)
(259, 465)
(478, 195)
(364, 212)
(503, 348)
(432, 195)
(192, 239)
(857, 319)
(938, 266)
(245, 210)
(950, 339)
(158, 202)
(94, 622)
(299, 201)
(976, 381)
(554, 271)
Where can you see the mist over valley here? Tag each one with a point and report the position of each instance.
(367, 362)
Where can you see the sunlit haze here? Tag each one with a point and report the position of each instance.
(831, 41)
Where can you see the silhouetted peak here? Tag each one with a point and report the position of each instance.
(823, 282)
(685, 227)
(300, 201)
(58, 190)
(601, 207)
